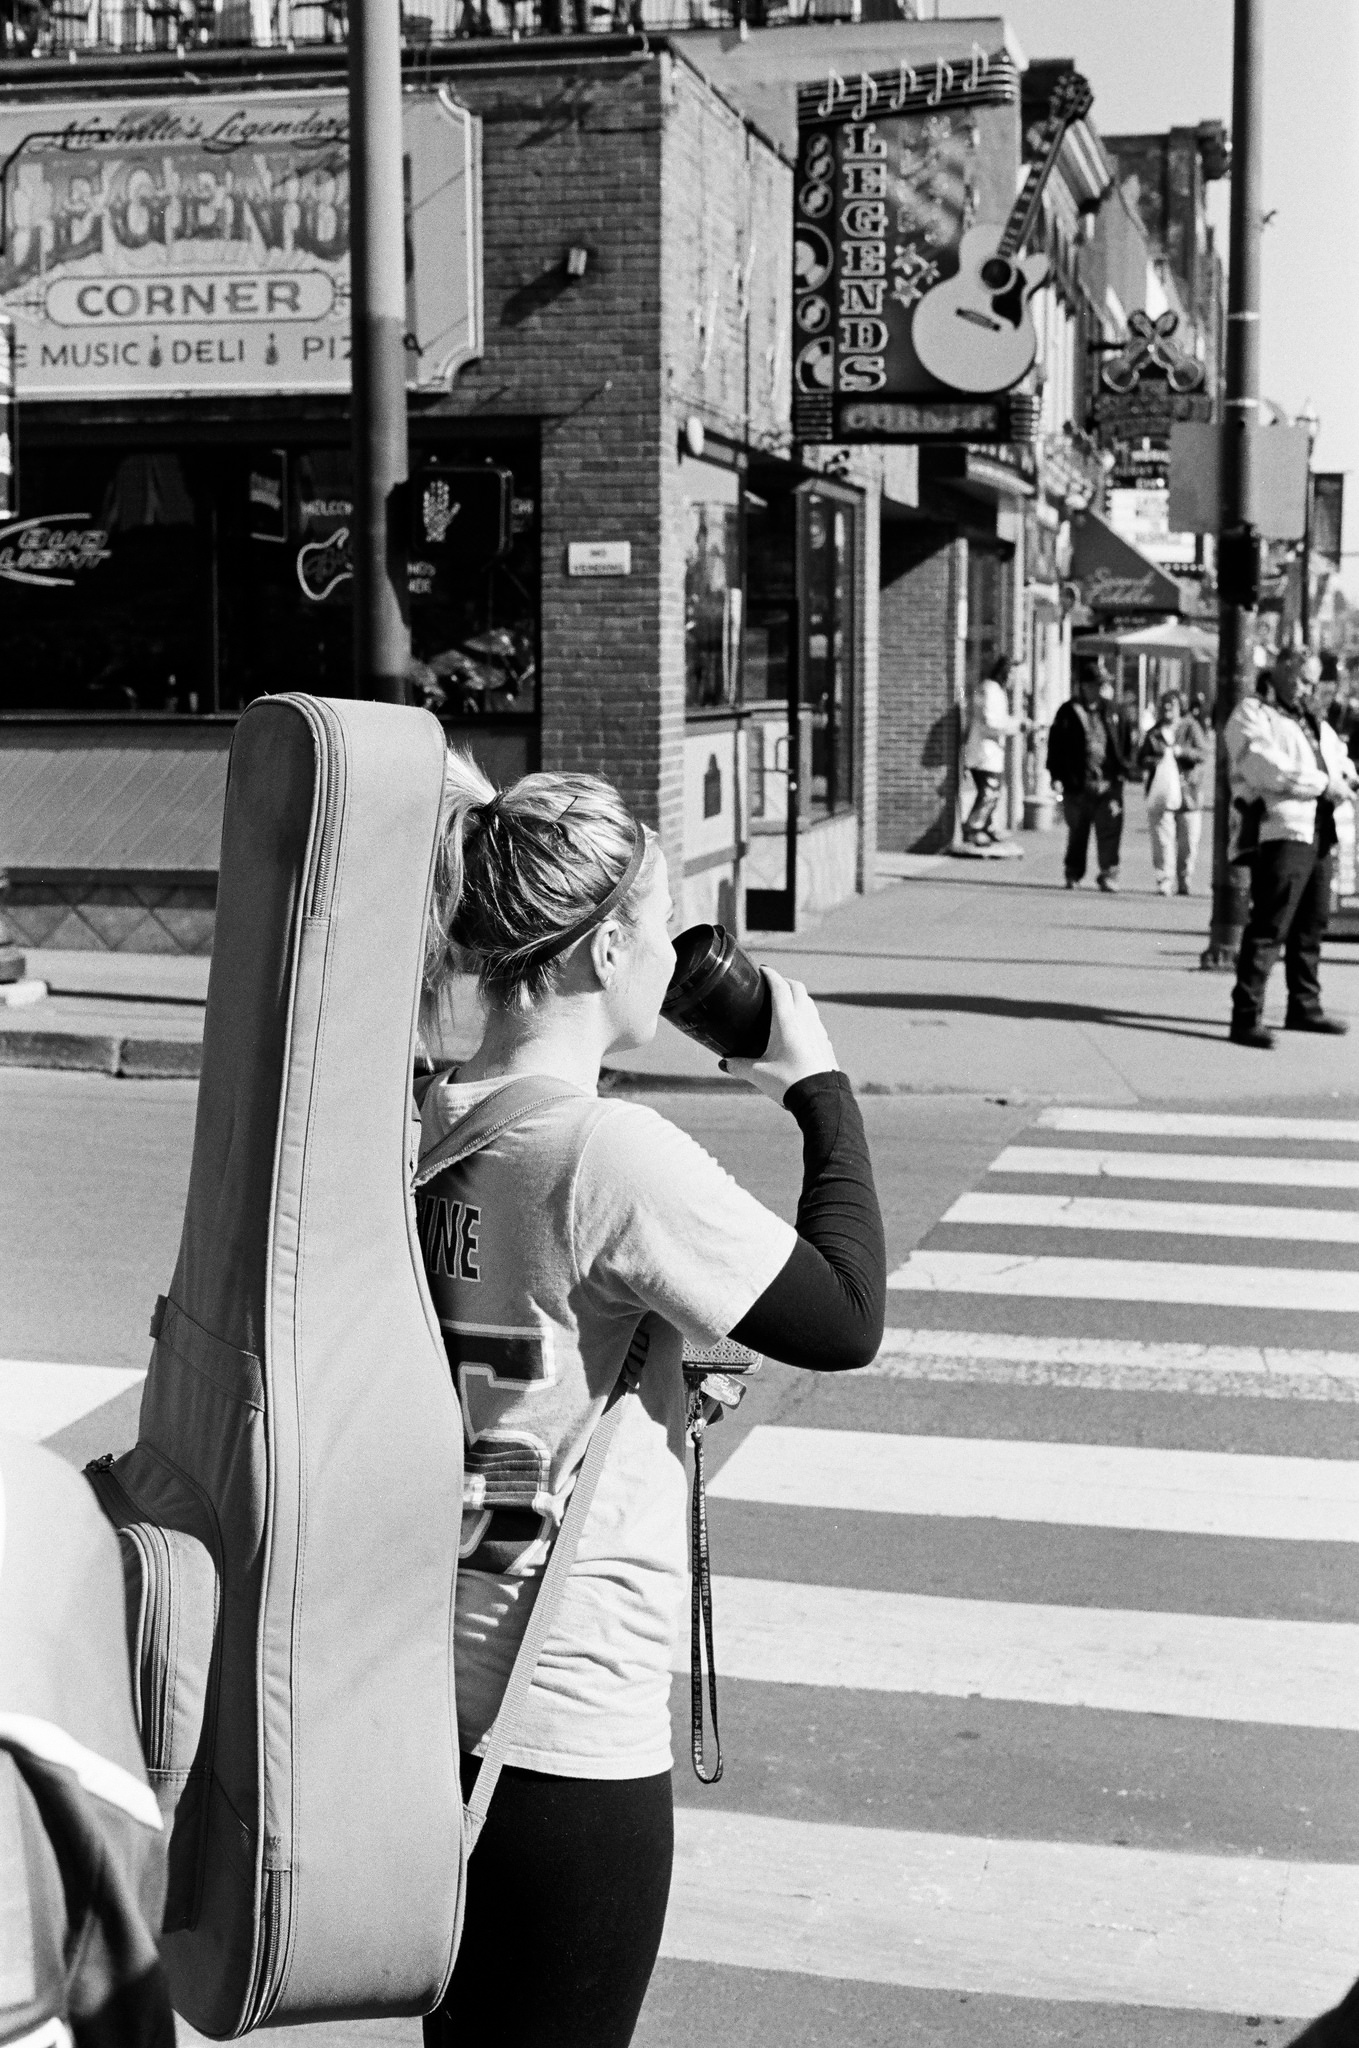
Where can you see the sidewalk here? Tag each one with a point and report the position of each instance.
(138, 1015)
(954, 977)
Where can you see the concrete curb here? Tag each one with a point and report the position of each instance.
(122, 1058)
(127, 1057)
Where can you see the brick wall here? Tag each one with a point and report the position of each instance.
(726, 294)
(920, 687)
(571, 158)
(686, 215)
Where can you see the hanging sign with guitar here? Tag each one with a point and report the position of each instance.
(912, 279)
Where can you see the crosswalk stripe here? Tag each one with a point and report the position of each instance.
(1226, 1168)
(39, 1396)
(1300, 1289)
(996, 1357)
(1302, 1674)
(1187, 1219)
(1154, 1123)
(1054, 1920)
(1097, 1486)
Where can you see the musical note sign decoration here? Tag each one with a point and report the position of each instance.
(905, 215)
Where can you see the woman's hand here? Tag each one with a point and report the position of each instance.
(798, 1043)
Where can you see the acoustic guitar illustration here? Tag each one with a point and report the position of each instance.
(975, 331)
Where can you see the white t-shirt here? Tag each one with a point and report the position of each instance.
(544, 1250)
(991, 725)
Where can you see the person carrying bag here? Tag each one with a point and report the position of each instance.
(1171, 758)
(575, 1248)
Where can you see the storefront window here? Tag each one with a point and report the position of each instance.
(772, 608)
(713, 611)
(828, 675)
(191, 581)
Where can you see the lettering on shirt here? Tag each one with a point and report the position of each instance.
(449, 1236)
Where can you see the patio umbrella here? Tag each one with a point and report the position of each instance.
(1175, 636)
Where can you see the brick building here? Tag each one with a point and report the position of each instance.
(772, 651)
(630, 388)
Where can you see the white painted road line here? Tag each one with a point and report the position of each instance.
(1154, 1123)
(1055, 1920)
(1093, 1486)
(1227, 1169)
(38, 1397)
(998, 1358)
(1174, 1219)
(1203, 1667)
(1303, 1290)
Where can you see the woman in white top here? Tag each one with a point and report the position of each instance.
(588, 1222)
(992, 723)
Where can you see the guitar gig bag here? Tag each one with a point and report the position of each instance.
(290, 1514)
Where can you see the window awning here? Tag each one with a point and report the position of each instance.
(1113, 575)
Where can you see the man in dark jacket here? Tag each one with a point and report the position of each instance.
(1089, 754)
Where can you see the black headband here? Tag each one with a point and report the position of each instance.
(553, 946)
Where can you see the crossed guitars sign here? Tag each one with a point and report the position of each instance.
(1149, 346)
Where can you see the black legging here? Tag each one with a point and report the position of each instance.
(566, 1897)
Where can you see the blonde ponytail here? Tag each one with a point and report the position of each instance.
(516, 870)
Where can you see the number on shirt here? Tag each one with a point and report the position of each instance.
(507, 1472)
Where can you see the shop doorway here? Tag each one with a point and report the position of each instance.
(801, 642)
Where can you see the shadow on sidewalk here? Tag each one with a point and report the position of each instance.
(1026, 1009)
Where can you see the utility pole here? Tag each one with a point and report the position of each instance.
(1309, 418)
(1238, 541)
(382, 641)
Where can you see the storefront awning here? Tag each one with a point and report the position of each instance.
(982, 473)
(1113, 575)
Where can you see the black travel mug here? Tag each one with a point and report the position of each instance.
(718, 995)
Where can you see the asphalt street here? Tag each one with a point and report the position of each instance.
(1040, 1638)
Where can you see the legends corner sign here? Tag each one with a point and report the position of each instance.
(911, 286)
(201, 243)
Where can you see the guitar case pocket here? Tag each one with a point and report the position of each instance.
(168, 1540)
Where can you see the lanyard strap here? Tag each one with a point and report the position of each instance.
(701, 1608)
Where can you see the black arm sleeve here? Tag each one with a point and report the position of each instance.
(825, 1309)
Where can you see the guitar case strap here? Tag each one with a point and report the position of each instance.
(500, 1112)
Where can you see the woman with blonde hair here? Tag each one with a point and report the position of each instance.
(584, 1226)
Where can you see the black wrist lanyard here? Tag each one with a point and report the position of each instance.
(700, 1605)
(714, 1381)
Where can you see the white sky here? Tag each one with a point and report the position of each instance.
(1166, 63)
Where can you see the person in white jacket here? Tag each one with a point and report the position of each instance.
(992, 723)
(1289, 773)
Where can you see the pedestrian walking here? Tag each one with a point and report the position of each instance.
(1289, 774)
(991, 724)
(1089, 755)
(1171, 758)
(587, 1230)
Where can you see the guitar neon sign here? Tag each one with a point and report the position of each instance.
(974, 331)
(323, 565)
(1149, 347)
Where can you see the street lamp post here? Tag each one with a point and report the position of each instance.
(378, 369)
(1238, 541)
